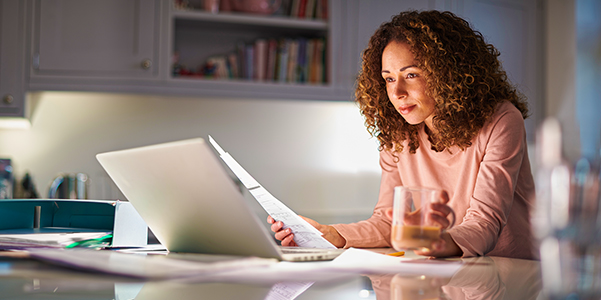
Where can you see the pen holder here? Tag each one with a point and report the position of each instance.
(6, 179)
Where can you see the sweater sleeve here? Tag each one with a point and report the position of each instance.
(375, 231)
(503, 143)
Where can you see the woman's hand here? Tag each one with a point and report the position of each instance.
(287, 237)
(438, 213)
(444, 247)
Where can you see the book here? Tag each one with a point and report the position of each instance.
(272, 53)
(249, 55)
(318, 9)
(310, 9)
(260, 60)
(294, 8)
(302, 9)
(320, 60)
(321, 10)
(302, 61)
(241, 57)
(282, 62)
(323, 60)
(292, 61)
(310, 70)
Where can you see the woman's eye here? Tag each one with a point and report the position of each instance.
(411, 75)
(388, 79)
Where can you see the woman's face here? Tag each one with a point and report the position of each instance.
(406, 85)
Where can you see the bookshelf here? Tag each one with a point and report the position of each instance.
(264, 55)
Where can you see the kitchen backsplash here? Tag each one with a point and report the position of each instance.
(314, 155)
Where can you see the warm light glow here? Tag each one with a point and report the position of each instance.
(14, 123)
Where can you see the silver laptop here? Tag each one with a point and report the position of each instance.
(183, 192)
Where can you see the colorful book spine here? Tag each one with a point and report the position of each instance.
(292, 61)
(301, 75)
(272, 53)
(249, 54)
(283, 60)
(260, 60)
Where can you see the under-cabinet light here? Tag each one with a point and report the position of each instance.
(14, 123)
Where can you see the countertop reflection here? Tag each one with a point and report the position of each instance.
(480, 278)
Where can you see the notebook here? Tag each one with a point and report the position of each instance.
(183, 192)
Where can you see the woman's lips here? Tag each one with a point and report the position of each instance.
(406, 109)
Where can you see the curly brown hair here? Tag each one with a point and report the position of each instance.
(463, 76)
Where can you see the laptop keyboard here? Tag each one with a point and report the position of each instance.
(292, 250)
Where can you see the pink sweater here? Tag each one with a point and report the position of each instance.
(490, 187)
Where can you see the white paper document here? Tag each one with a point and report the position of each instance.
(145, 266)
(305, 235)
(350, 263)
(366, 261)
(287, 290)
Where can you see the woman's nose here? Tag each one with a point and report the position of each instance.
(399, 90)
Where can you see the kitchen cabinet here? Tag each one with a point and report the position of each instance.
(80, 42)
(12, 57)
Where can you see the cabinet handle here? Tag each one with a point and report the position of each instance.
(8, 99)
(146, 64)
(36, 61)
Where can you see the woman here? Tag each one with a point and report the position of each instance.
(434, 94)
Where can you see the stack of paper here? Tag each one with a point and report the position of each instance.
(45, 240)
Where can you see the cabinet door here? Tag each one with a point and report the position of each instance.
(108, 38)
(12, 53)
